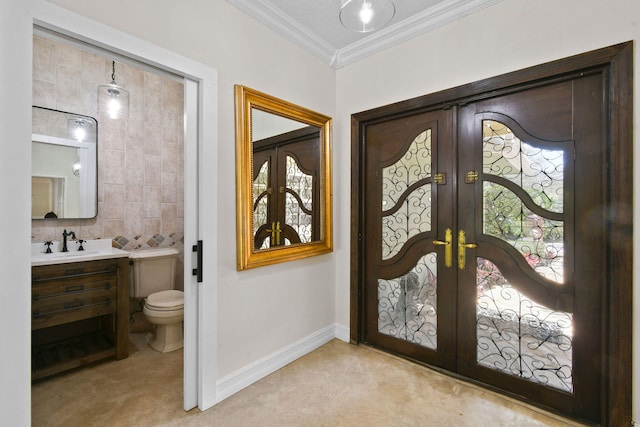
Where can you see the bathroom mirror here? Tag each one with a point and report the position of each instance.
(283, 180)
(64, 171)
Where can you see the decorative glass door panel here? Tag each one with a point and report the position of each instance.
(532, 222)
(407, 306)
(406, 196)
(261, 191)
(298, 201)
(520, 337)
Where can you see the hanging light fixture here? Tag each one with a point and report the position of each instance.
(78, 128)
(365, 16)
(76, 167)
(113, 99)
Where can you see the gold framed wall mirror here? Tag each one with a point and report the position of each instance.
(283, 180)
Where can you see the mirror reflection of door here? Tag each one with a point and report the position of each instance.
(285, 187)
(47, 194)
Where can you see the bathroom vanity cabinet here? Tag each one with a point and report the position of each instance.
(79, 314)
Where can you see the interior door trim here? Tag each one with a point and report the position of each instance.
(616, 64)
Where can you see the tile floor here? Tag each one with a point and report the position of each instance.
(336, 385)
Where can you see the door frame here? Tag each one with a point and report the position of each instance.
(616, 63)
(200, 147)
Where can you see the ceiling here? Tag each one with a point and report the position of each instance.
(315, 24)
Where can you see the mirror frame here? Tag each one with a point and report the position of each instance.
(66, 141)
(247, 256)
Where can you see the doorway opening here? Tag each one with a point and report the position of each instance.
(199, 86)
(140, 174)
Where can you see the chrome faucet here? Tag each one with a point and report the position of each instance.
(64, 239)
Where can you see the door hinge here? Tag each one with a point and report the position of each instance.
(198, 270)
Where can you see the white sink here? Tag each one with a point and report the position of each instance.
(70, 254)
(94, 250)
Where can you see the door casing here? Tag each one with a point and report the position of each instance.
(615, 62)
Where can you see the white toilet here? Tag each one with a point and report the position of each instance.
(153, 278)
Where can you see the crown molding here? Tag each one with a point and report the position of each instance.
(271, 16)
(423, 22)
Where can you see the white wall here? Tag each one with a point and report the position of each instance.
(15, 190)
(505, 37)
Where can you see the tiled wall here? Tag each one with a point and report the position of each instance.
(140, 158)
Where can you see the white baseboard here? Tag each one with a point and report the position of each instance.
(259, 369)
(342, 333)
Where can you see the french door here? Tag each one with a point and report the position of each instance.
(286, 189)
(485, 240)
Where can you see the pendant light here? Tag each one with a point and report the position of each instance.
(364, 16)
(113, 99)
(79, 129)
(75, 168)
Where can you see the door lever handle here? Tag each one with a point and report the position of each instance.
(275, 231)
(462, 247)
(278, 232)
(272, 230)
(447, 247)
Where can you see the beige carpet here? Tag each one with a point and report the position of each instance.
(337, 385)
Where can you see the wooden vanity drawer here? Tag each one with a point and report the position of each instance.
(66, 293)
(55, 304)
(71, 274)
(71, 287)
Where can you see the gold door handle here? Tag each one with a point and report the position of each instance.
(278, 231)
(462, 247)
(275, 233)
(273, 230)
(447, 247)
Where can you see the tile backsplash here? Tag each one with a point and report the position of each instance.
(140, 158)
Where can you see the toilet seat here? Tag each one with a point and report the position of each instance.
(163, 316)
(165, 300)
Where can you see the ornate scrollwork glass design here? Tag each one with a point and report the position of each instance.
(261, 198)
(517, 336)
(298, 200)
(510, 217)
(407, 304)
(537, 171)
(538, 239)
(406, 196)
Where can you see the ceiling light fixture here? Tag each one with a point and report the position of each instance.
(113, 99)
(365, 16)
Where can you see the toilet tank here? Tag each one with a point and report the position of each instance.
(153, 271)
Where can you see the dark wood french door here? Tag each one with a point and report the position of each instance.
(485, 240)
(286, 188)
